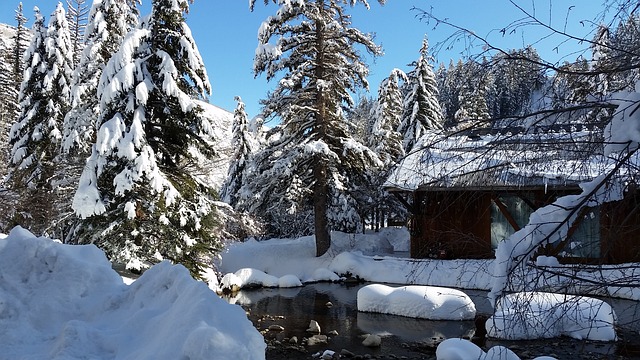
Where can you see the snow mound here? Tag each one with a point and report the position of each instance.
(425, 302)
(460, 349)
(65, 302)
(248, 277)
(535, 315)
(324, 274)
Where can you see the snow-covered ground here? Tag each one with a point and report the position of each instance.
(65, 302)
(371, 257)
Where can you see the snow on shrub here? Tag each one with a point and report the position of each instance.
(62, 301)
(425, 302)
(535, 315)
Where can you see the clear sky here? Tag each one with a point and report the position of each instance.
(226, 34)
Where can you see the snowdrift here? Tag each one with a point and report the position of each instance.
(65, 302)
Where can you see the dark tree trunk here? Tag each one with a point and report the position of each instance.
(320, 206)
(320, 167)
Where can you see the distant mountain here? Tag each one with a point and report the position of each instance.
(7, 32)
(222, 122)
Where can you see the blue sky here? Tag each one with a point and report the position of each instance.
(225, 31)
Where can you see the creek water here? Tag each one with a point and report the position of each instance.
(334, 307)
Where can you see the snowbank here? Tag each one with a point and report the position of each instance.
(65, 302)
(535, 315)
(248, 277)
(425, 302)
(367, 256)
(460, 349)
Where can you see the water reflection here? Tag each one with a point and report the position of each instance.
(294, 308)
(413, 330)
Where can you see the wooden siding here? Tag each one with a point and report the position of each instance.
(452, 225)
(456, 224)
(621, 230)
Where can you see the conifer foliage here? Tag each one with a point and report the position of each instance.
(243, 146)
(35, 137)
(384, 137)
(313, 168)
(77, 17)
(104, 34)
(138, 197)
(421, 107)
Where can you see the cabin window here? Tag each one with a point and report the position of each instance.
(585, 241)
(517, 210)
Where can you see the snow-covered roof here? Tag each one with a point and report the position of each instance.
(561, 158)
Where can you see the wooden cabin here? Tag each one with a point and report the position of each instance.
(471, 192)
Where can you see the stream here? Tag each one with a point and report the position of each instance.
(334, 307)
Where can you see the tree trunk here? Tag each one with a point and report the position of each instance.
(320, 206)
(320, 167)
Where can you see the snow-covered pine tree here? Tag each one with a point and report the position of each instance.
(473, 111)
(384, 137)
(8, 101)
(20, 44)
(35, 137)
(421, 107)
(243, 146)
(138, 198)
(313, 169)
(104, 34)
(11, 71)
(77, 17)
(358, 118)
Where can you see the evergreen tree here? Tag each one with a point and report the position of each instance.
(449, 84)
(104, 35)
(243, 145)
(358, 118)
(11, 71)
(625, 45)
(35, 137)
(517, 76)
(314, 168)
(383, 137)
(138, 196)
(473, 111)
(422, 110)
(20, 43)
(8, 96)
(77, 17)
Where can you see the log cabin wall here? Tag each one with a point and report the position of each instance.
(620, 231)
(456, 224)
(452, 225)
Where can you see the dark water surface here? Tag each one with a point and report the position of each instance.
(411, 338)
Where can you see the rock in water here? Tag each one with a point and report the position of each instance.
(276, 328)
(317, 340)
(372, 341)
(314, 327)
